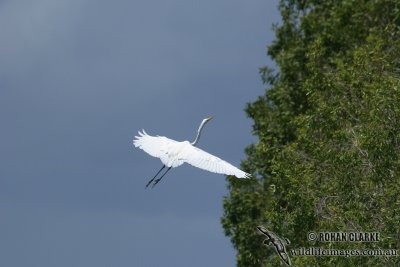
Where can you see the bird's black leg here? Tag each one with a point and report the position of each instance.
(155, 176)
(159, 179)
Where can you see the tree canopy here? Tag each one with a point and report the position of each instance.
(328, 126)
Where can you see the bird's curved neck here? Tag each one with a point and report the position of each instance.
(198, 133)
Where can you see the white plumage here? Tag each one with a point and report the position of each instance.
(173, 154)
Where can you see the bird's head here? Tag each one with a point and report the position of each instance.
(207, 119)
(199, 130)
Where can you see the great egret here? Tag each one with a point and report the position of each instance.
(173, 154)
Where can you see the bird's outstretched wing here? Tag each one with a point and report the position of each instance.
(173, 153)
(203, 160)
(156, 146)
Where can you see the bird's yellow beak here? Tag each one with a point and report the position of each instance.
(209, 118)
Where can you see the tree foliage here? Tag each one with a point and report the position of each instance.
(328, 127)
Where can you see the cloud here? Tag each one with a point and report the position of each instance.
(70, 238)
(78, 78)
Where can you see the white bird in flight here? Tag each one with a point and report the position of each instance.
(173, 154)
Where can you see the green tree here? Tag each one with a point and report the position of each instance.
(328, 155)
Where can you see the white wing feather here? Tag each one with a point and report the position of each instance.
(173, 153)
(203, 160)
(156, 146)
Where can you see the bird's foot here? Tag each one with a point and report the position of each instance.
(156, 182)
(147, 185)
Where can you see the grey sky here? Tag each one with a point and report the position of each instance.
(78, 79)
